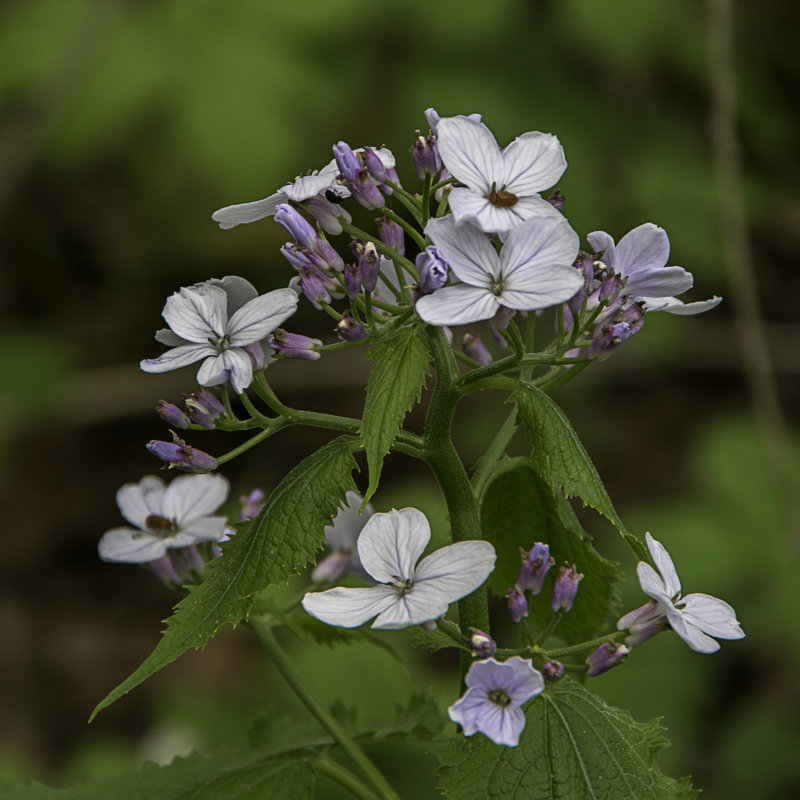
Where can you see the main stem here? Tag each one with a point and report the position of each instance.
(441, 455)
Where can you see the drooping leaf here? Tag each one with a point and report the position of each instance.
(397, 379)
(232, 777)
(519, 509)
(573, 747)
(280, 541)
(561, 459)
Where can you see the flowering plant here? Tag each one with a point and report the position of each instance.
(477, 245)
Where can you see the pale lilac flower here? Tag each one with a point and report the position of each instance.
(533, 270)
(405, 594)
(495, 693)
(641, 257)
(342, 538)
(696, 618)
(165, 517)
(501, 187)
(228, 342)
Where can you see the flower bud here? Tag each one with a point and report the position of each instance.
(294, 345)
(295, 224)
(350, 329)
(565, 588)
(425, 155)
(180, 455)
(369, 264)
(517, 604)
(251, 504)
(643, 623)
(535, 565)
(432, 270)
(204, 408)
(608, 655)
(314, 289)
(556, 200)
(391, 234)
(171, 414)
(163, 570)
(352, 280)
(328, 214)
(481, 644)
(373, 165)
(474, 347)
(553, 671)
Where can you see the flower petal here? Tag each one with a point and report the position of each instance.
(349, 608)
(457, 305)
(532, 162)
(198, 313)
(390, 544)
(468, 205)
(470, 152)
(674, 306)
(348, 523)
(205, 529)
(190, 497)
(137, 501)
(468, 711)
(711, 615)
(466, 249)
(672, 584)
(691, 634)
(423, 603)
(231, 216)
(177, 357)
(653, 584)
(643, 249)
(259, 317)
(545, 239)
(456, 570)
(541, 287)
(661, 282)
(238, 290)
(129, 546)
(308, 186)
(603, 244)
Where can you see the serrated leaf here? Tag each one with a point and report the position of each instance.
(421, 718)
(232, 777)
(280, 541)
(561, 459)
(519, 509)
(573, 747)
(434, 640)
(331, 635)
(395, 384)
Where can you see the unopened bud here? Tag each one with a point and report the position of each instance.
(369, 264)
(294, 345)
(517, 604)
(391, 234)
(352, 280)
(432, 269)
(553, 671)
(474, 347)
(180, 455)
(556, 200)
(350, 329)
(171, 414)
(251, 504)
(565, 588)
(608, 655)
(535, 565)
(204, 408)
(425, 155)
(481, 644)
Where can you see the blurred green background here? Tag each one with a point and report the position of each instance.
(123, 125)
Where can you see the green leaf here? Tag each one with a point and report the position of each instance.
(395, 384)
(518, 509)
(232, 777)
(281, 540)
(420, 719)
(574, 747)
(434, 640)
(330, 635)
(560, 458)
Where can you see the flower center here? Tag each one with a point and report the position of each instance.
(499, 698)
(402, 585)
(160, 525)
(496, 286)
(222, 343)
(502, 198)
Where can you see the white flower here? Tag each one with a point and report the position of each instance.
(165, 517)
(208, 323)
(641, 257)
(533, 269)
(389, 547)
(695, 617)
(342, 538)
(500, 186)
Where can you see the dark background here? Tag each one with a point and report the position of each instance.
(123, 125)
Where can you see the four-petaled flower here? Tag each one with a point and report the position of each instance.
(501, 187)
(221, 323)
(641, 257)
(389, 546)
(533, 269)
(695, 617)
(165, 517)
(495, 693)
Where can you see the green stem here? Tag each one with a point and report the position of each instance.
(251, 442)
(426, 201)
(385, 249)
(336, 772)
(441, 455)
(501, 365)
(485, 468)
(408, 228)
(290, 674)
(549, 628)
(410, 201)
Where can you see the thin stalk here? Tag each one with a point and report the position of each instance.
(426, 200)
(251, 442)
(336, 772)
(290, 674)
(389, 252)
(410, 201)
(486, 465)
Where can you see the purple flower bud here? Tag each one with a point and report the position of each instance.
(553, 671)
(432, 270)
(369, 263)
(565, 588)
(180, 455)
(498, 337)
(474, 347)
(373, 165)
(391, 234)
(392, 177)
(329, 215)
(501, 319)
(608, 655)
(251, 504)
(171, 414)
(204, 408)
(610, 287)
(608, 339)
(585, 263)
(481, 644)
(425, 155)
(556, 200)
(295, 225)
(357, 177)
(633, 315)
(294, 345)
(350, 329)
(535, 565)
(643, 623)
(517, 604)
(347, 162)
(352, 280)
(314, 289)
(331, 259)
(297, 256)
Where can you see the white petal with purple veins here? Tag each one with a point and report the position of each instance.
(532, 162)
(349, 608)
(197, 313)
(138, 501)
(391, 543)
(457, 305)
(241, 213)
(177, 357)
(190, 497)
(130, 546)
(259, 317)
(470, 152)
(471, 256)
